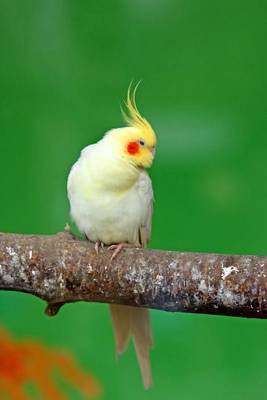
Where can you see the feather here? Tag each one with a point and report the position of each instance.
(131, 321)
(142, 337)
(121, 326)
(133, 117)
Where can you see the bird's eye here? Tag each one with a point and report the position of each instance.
(141, 142)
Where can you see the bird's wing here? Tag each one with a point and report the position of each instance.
(76, 168)
(146, 193)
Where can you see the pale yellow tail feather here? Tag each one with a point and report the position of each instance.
(132, 321)
(143, 341)
(121, 326)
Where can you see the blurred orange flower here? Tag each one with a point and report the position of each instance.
(24, 362)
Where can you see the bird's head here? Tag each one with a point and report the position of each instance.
(137, 141)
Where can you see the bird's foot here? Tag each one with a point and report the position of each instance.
(98, 245)
(118, 247)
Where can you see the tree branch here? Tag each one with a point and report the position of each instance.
(61, 269)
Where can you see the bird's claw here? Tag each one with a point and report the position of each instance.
(98, 245)
(118, 247)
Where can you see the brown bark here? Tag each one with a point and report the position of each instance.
(61, 269)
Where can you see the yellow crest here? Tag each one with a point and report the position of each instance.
(132, 117)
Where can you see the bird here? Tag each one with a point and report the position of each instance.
(111, 202)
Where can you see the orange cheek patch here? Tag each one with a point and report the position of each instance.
(133, 148)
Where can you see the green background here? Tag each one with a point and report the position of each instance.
(65, 67)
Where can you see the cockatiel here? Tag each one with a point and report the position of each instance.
(111, 198)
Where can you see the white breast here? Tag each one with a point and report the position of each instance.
(102, 208)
